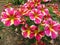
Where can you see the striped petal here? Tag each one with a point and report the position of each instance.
(38, 37)
(10, 10)
(7, 23)
(16, 22)
(32, 17)
(33, 27)
(24, 34)
(31, 35)
(47, 31)
(54, 35)
(23, 29)
(37, 21)
(4, 15)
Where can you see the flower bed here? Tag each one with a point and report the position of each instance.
(34, 20)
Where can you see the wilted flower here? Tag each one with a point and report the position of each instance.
(54, 9)
(10, 16)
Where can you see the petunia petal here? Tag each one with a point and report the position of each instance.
(7, 23)
(57, 27)
(33, 28)
(10, 10)
(32, 17)
(23, 28)
(4, 15)
(46, 11)
(47, 31)
(24, 34)
(16, 22)
(37, 21)
(54, 35)
(38, 37)
(31, 35)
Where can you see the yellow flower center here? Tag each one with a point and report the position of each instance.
(36, 15)
(36, 31)
(28, 31)
(51, 29)
(36, 3)
(42, 9)
(29, 8)
(11, 17)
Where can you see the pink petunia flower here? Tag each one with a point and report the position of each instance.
(44, 10)
(36, 2)
(29, 6)
(26, 8)
(45, 20)
(10, 16)
(27, 31)
(37, 33)
(51, 29)
(22, 10)
(55, 9)
(36, 16)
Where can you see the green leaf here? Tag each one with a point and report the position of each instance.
(2, 26)
(46, 39)
(41, 28)
(53, 15)
(30, 22)
(31, 41)
(12, 27)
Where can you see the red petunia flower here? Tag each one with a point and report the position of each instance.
(10, 16)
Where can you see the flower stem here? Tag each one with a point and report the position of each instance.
(36, 42)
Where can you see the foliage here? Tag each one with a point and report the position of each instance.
(16, 2)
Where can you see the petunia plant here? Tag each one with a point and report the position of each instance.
(34, 19)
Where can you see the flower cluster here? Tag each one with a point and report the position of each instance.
(36, 12)
(31, 32)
